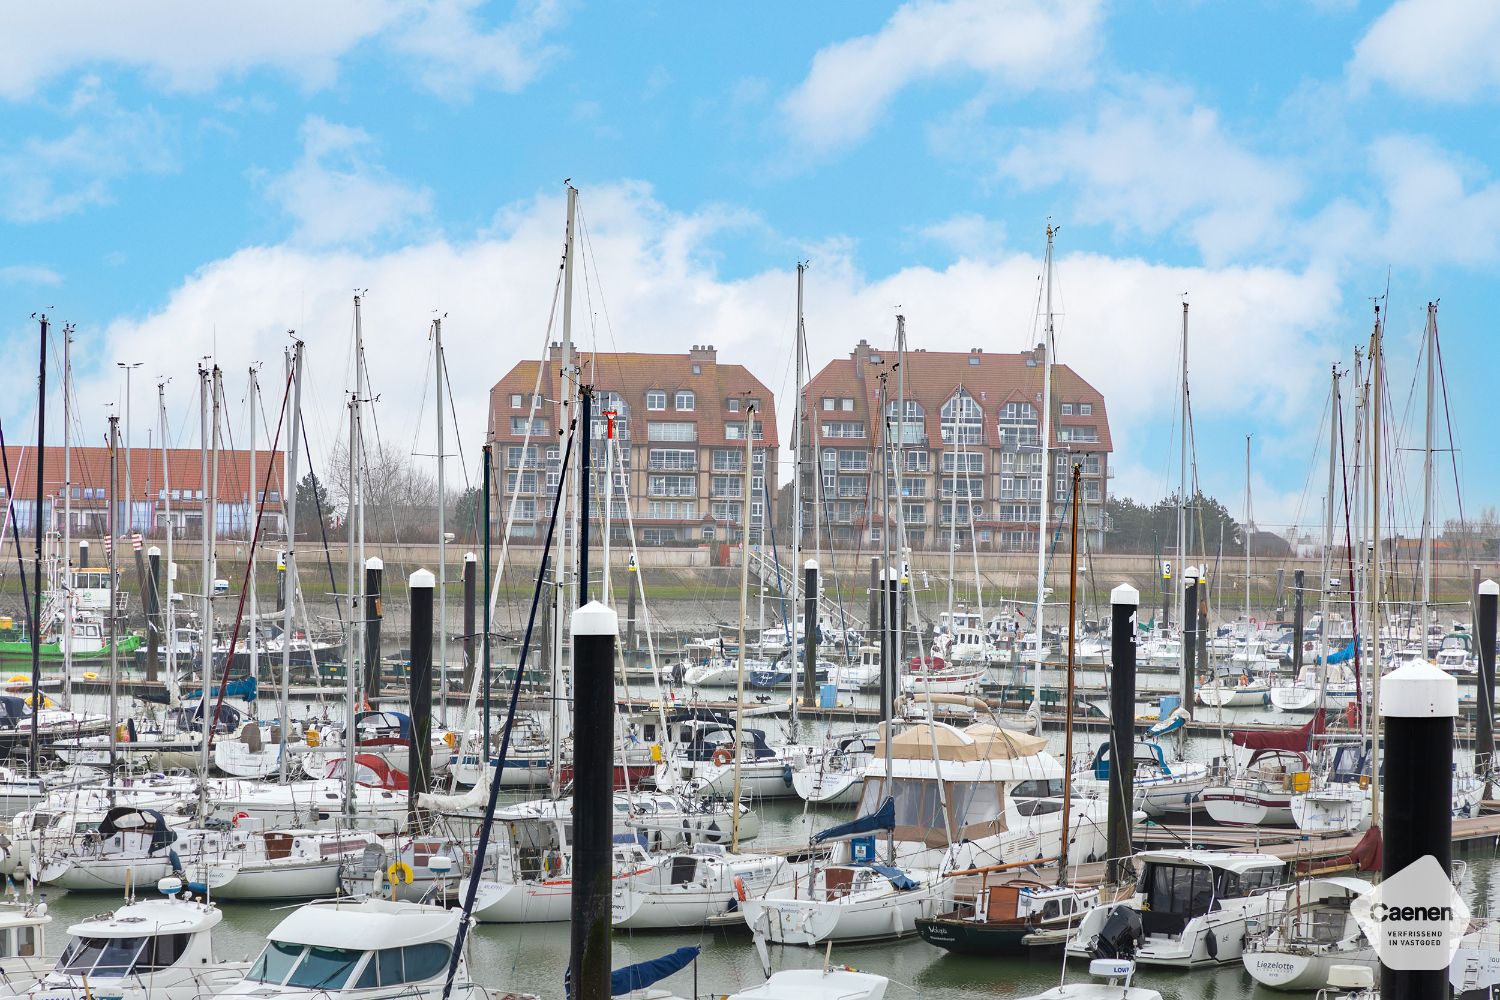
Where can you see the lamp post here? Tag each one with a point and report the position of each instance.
(128, 367)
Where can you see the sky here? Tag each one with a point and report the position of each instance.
(180, 180)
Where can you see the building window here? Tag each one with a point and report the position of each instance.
(844, 429)
(697, 369)
(846, 404)
(853, 461)
(828, 403)
(962, 420)
(656, 399)
(657, 430)
(672, 459)
(918, 461)
(1085, 409)
(736, 431)
(672, 486)
(684, 400)
(527, 425)
(974, 360)
(732, 404)
(515, 400)
(964, 461)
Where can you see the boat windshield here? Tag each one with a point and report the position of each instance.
(102, 958)
(275, 962)
(307, 967)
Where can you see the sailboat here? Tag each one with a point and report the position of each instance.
(1007, 909)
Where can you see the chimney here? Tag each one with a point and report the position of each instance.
(703, 353)
(861, 356)
(554, 351)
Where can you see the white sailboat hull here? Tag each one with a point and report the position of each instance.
(1300, 970)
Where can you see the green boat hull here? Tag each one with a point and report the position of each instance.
(18, 653)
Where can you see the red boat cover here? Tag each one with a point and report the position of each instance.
(1298, 739)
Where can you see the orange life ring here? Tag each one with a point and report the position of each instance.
(722, 756)
(739, 889)
(239, 816)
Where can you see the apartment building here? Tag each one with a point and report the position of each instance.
(680, 425)
(970, 456)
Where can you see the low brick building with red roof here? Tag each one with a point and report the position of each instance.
(680, 423)
(157, 481)
(972, 449)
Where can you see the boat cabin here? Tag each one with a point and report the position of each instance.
(1177, 886)
(705, 739)
(336, 946)
(140, 939)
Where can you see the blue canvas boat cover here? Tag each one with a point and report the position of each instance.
(883, 818)
(644, 974)
(901, 881)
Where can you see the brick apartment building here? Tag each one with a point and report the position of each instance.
(680, 423)
(144, 498)
(972, 450)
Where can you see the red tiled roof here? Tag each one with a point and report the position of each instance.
(932, 377)
(90, 470)
(632, 375)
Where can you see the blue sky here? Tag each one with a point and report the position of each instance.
(177, 184)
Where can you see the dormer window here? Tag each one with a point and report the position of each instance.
(656, 399)
(685, 400)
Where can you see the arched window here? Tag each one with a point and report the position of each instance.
(962, 420)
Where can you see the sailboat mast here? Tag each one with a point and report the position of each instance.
(895, 476)
(1067, 794)
(1333, 468)
(351, 642)
(442, 505)
(67, 531)
(1182, 557)
(1041, 535)
(739, 683)
(289, 587)
(1247, 539)
(1427, 477)
(114, 646)
(807, 668)
(206, 624)
(1377, 389)
(36, 553)
(169, 623)
(255, 504)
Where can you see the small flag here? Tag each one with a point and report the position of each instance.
(135, 540)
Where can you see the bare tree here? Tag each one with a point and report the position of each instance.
(400, 495)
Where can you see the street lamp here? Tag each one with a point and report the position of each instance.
(129, 510)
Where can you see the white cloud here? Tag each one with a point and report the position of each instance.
(1155, 161)
(28, 274)
(452, 54)
(183, 45)
(661, 292)
(1021, 45)
(1439, 208)
(336, 194)
(44, 178)
(1441, 50)
(967, 234)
